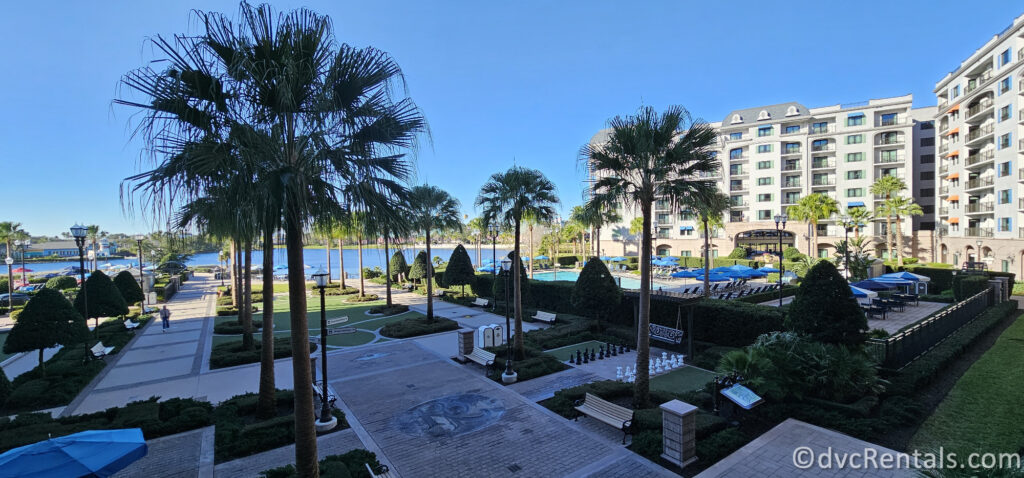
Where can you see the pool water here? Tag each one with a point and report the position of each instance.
(624, 282)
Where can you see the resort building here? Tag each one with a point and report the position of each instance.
(979, 118)
(774, 155)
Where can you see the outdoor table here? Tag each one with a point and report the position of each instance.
(907, 298)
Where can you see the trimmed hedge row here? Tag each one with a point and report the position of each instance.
(230, 354)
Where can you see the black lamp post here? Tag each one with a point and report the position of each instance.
(780, 225)
(320, 278)
(510, 375)
(10, 278)
(142, 280)
(78, 231)
(846, 229)
(24, 243)
(493, 229)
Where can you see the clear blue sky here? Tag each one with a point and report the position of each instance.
(498, 81)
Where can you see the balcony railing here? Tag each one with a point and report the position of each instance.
(944, 169)
(943, 211)
(889, 159)
(823, 182)
(737, 218)
(980, 207)
(791, 184)
(831, 128)
(890, 121)
(944, 149)
(823, 165)
(881, 141)
(791, 151)
(787, 133)
(791, 167)
(789, 200)
(738, 172)
(1020, 203)
(825, 147)
(984, 182)
(742, 157)
(978, 231)
(739, 203)
(1020, 54)
(980, 132)
(980, 157)
(978, 108)
(737, 187)
(1020, 232)
(942, 190)
(978, 82)
(1020, 174)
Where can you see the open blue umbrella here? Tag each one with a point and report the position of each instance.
(714, 277)
(721, 270)
(757, 273)
(541, 257)
(618, 259)
(871, 284)
(605, 258)
(670, 258)
(864, 293)
(486, 269)
(741, 268)
(88, 453)
(769, 269)
(893, 281)
(685, 274)
(905, 276)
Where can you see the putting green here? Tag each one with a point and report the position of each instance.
(683, 379)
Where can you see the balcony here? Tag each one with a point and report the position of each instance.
(1020, 232)
(831, 128)
(790, 133)
(943, 211)
(889, 159)
(791, 167)
(944, 169)
(1020, 175)
(1020, 204)
(737, 173)
(741, 157)
(980, 158)
(943, 191)
(1020, 54)
(976, 111)
(790, 184)
(790, 151)
(737, 187)
(944, 149)
(713, 175)
(979, 82)
(823, 164)
(978, 183)
(823, 148)
(790, 200)
(739, 203)
(980, 208)
(978, 134)
(978, 232)
(1020, 116)
(823, 182)
(730, 139)
(889, 140)
(890, 121)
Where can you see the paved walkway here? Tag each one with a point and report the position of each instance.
(188, 454)
(23, 362)
(335, 443)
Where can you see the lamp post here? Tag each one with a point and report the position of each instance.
(510, 375)
(780, 225)
(493, 230)
(78, 231)
(24, 243)
(320, 278)
(846, 229)
(142, 280)
(10, 278)
(558, 242)
(980, 255)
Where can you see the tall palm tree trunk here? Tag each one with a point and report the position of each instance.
(531, 250)
(642, 388)
(245, 313)
(518, 281)
(267, 402)
(341, 261)
(899, 242)
(430, 282)
(328, 244)
(888, 236)
(235, 269)
(707, 257)
(597, 241)
(305, 433)
(387, 268)
(362, 288)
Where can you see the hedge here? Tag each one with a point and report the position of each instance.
(965, 286)
(417, 326)
(351, 464)
(229, 354)
(787, 291)
(240, 432)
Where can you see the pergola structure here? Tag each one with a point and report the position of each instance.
(679, 299)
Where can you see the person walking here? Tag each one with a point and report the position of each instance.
(165, 316)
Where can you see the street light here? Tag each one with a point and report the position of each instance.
(320, 278)
(78, 231)
(493, 229)
(510, 375)
(980, 256)
(780, 225)
(25, 243)
(142, 281)
(10, 277)
(846, 228)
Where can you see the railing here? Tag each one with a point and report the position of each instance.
(827, 147)
(980, 132)
(978, 108)
(942, 190)
(740, 203)
(943, 211)
(944, 169)
(978, 82)
(741, 157)
(889, 159)
(786, 133)
(1020, 115)
(943, 103)
(791, 184)
(1020, 145)
(737, 187)
(823, 165)
(979, 232)
(944, 149)
(896, 351)
(980, 207)
(790, 200)
(1020, 174)
(889, 140)
(791, 167)
(822, 129)
(891, 121)
(980, 182)
(1020, 203)
(980, 157)
(1020, 54)
(823, 182)
(737, 218)
(1020, 232)
(791, 151)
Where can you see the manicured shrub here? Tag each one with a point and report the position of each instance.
(417, 326)
(129, 287)
(398, 265)
(498, 291)
(104, 298)
(966, 286)
(595, 293)
(825, 309)
(370, 274)
(420, 267)
(791, 253)
(46, 321)
(57, 283)
(233, 328)
(351, 464)
(459, 271)
(720, 445)
(230, 354)
(5, 387)
(364, 298)
(725, 322)
(388, 310)
(738, 253)
(549, 296)
(483, 286)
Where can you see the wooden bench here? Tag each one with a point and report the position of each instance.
(607, 412)
(544, 317)
(99, 351)
(481, 302)
(130, 325)
(384, 472)
(319, 392)
(482, 357)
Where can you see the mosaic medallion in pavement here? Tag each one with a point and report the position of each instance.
(451, 416)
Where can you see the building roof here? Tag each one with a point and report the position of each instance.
(984, 49)
(52, 245)
(776, 113)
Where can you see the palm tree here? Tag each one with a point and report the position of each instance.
(887, 186)
(506, 198)
(858, 217)
(599, 216)
(341, 122)
(900, 207)
(812, 208)
(530, 221)
(93, 234)
(651, 156)
(710, 208)
(636, 226)
(477, 229)
(10, 231)
(431, 208)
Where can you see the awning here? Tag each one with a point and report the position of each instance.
(953, 176)
(954, 220)
(855, 204)
(854, 115)
(685, 228)
(953, 131)
(954, 198)
(955, 108)
(953, 153)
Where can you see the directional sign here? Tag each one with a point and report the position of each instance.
(341, 330)
(339, 320)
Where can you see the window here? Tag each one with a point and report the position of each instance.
(856, 119)
(928, 209)
(765, 164)
(890, 156)
(685, 253)
(855, 192)
(1004, 141)
(764, 197)
(927, 192)
(927, 142)
(792, 129)
(735, 169)
(789, 148)
(764, 131)
(1005, 224)
(888, 119)
(735, 135)
(737, 119)
(954, 92)
(791, 198)
(858, 174)
(855, 139)
(1005, 197)
(927, 158)
(1006, 265)
(888, 172)
(819, 127)
(736, 153)
(819, 144)
(1004, 113)
(685, 231)
(854, 157)
(1004, 169)
(764, 215)
(927, 125)
(1004, 57)
(927, 175)
(792, 111)
(764, 115)
(767, 181)
(1005, 84)
(764, 148)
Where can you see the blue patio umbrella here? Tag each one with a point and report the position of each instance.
(721, 270)
(488, 261)
(605, 258)
(769, 269)
(905, 276)
(863, 293)
(670, 258)
(715, 277)
(89, 453)
(685, 274)
(893, 281)
(757, 273)
(737, 274)
(741, 268)
(618, 259)
(871, 284)
(486, 269)
(541, 257)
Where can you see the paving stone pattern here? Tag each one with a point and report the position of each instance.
(172, 457)
(331, 444)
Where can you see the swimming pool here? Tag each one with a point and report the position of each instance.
(624, 282)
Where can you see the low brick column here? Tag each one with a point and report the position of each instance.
(678, 431)
(466, 341)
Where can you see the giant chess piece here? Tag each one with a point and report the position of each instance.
(593, 355)
(618, 373)
(611, 348)
(586, 356)
(628, 371)
(664, 356)
(579, 360)
(600, 355)
(622, 349)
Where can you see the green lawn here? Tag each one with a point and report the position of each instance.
(984, 410)
(683, 379)
(563, 353)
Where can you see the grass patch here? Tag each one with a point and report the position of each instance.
(683, 379)
(356, 298)
(240, 432)
(984, 410)
(416, 326)
(564, 353)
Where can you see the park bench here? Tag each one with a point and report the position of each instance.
(131, 325)
(481, 357)
(544, 317)
(607, 412)
(439, 293)
(319, 392)
(99, 351)
(480, 302)
(666, 334)
(384, 472)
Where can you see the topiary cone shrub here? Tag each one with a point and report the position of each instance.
(595, 293)
(825, 310)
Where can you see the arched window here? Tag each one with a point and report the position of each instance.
(764, 115)
(792, 111)
(737, 119)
